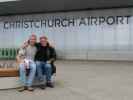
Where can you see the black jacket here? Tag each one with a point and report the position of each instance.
(45, 53)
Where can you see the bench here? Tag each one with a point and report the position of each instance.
(9, 72)
(9, 78)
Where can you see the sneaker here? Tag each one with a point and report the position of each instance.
(30, 88)
(22, 89)
(42, 87)
(50, 84)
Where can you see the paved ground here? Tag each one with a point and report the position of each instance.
(82, 80)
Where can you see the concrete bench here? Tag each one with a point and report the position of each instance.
(9, 78)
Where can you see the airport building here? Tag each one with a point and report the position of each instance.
(79, 29)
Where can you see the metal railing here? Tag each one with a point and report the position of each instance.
(8, 53)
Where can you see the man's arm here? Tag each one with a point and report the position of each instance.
(52, 55)
(21, 52)
(25, 44)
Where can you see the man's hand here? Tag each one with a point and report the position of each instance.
(25, 44)
(48, 62)
(26, 66)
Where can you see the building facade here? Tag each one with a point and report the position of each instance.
(84, 35)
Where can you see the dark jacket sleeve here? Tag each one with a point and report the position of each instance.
(52, 54)
(37, 45)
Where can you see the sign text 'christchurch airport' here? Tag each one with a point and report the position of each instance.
(58, 22)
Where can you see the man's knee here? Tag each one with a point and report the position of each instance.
(38, 63)
(21, 67)
(33, 66)
(48, 65)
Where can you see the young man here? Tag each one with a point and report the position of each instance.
(45, 55)
(29, 51)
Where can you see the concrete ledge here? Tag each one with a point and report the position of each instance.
(13, 82)
(9, 82)
(101, 55)
(9, 79)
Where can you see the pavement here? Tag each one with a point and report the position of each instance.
(83, 80)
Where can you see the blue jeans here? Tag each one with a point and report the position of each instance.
(43, 68)
(27, 80)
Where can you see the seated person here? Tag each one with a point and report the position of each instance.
(45, 56)
(25, 58)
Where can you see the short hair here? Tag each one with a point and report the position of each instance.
(33, 35)
(43, 37)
